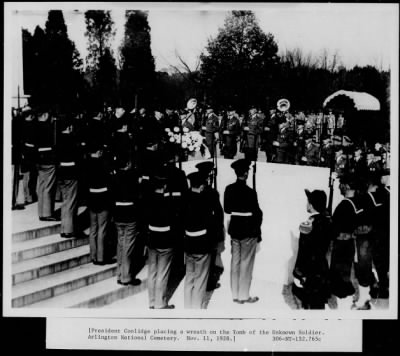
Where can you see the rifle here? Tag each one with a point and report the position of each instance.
(215, 169)
(331, 170)
(320, 143)
(180, 153)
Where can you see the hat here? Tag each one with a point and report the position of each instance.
(205, 167)
(196, 179)
(317, 199)
(191, 104)
(241, 166)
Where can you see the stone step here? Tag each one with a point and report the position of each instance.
(27, 226)
(49, 264)
(95, 295)
(56, 284)
(38, 232)
(26, 250)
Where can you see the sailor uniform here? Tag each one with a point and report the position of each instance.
(344, 223)
(381, 255)
(311, 268)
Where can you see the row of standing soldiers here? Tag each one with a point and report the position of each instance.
(126, 175)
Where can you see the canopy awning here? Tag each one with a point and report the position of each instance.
(362, 101)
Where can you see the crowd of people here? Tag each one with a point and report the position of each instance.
(125, 167)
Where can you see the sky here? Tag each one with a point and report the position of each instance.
(362, 34)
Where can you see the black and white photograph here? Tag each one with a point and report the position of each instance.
(203, 160)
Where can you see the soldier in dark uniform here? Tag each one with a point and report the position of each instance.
(175, 192)
(210, 129)
(345, 218)
(326, 152)
(229, 132)
(148, 135)
(216, 266)
(163, 237)
(311, 152)
(80, 124)
(29, 156)
(283, 143)
(121, 144)
(341, 165)
(240, 201)
(98, 172)
(171, 119)
(311, 271)
(381, 256)
(46, 166)
(358, 166)
(67, 155)
(373, 166)
(299, 144)
(17, 157)
(366, 236)
(199, 242)
(127, 215)
(252, 130)
(96, 131)
(270, 133)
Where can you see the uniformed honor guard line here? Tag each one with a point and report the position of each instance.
(122, 166)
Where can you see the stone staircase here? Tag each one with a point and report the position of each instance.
(53, 272)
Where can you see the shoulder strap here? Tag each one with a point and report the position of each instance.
(373, 199)
(354, 206)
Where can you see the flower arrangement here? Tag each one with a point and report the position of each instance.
(189, 141)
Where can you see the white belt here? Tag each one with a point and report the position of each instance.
(98, 190)
(124, 203)
(29, 144)
(196, 233)
(44, 149)
(159, 228)
(173, 194)
(235, 213)
(67, 164)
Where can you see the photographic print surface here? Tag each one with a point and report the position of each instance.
(200, 160)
